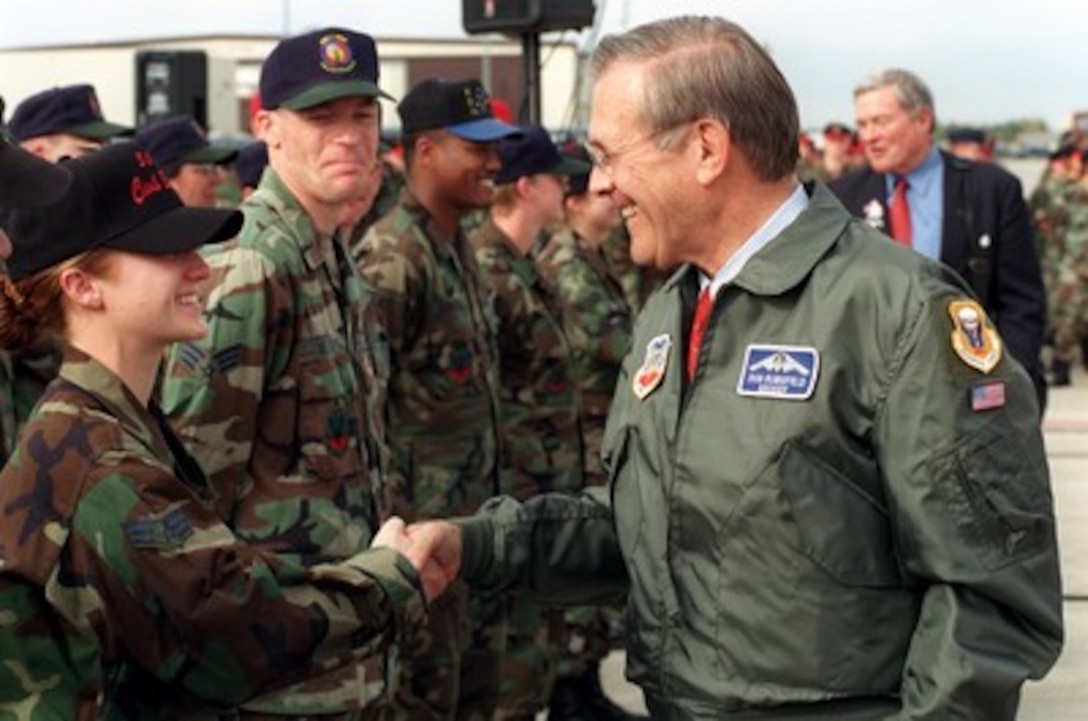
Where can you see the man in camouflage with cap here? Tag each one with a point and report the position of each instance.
(63, 122)
(277, 401)
(443, 386)
(540, 423)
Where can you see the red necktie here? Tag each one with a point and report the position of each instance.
(703, 307)
(899, 212)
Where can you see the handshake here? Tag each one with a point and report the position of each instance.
(432, 547)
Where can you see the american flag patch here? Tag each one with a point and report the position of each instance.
(987, 396)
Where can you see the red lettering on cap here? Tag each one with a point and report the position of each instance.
(143, 188)
(144, 159)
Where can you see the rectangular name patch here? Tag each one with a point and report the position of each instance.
(779, 371)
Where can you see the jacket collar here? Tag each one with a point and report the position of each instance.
(135, 420)
(784, 262)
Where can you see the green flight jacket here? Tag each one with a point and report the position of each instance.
(882, 548)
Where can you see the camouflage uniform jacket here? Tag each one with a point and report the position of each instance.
(442, 413)
(123, 594)
(541, 422)
(279, 400)
(273, 401)
(598, 323)
(23, 378)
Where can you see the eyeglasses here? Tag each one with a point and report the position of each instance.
(604, 160)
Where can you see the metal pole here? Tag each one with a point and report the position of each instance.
(530, 43)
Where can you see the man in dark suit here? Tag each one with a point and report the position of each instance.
(971, 216)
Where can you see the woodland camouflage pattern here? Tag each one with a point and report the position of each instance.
(597, 321)
(541, 435)
(123, 595)
(540, 422)
(442, 418)
(442, 414)
(23, 378)
(280, 400)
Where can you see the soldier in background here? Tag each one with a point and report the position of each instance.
(1050, 208)
(249, 166)
(539, 411)
(838, 154)
(124, 594)
(25, 182)
(443, 407)
(193, 166)
(278, 401)
(597, 321)
(63, 122)
(970, 144)
(1064, 219)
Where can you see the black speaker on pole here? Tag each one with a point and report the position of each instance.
(517, 17)
(171, 83)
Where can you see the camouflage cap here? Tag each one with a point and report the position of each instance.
(319, 67)
(70, 109)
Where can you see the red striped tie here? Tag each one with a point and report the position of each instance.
(703, 307)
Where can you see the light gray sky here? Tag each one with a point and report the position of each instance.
(985, 60)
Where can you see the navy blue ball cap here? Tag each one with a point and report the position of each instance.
(118, 198)
(460, 107)
(534, 153)
(318, 67)
(251, 163)
(180, 140)
(70, 109)
(27, 181)
(966, 135)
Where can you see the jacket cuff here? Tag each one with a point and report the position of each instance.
(477, 549)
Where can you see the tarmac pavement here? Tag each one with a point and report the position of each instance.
(1063, 694)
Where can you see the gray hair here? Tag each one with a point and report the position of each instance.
(913, 94)
(708, 67)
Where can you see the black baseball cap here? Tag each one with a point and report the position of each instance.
(179, 140)
(533, 152)
(251, 163)
(460, 107)
(69, 109)
(320, 66)
(118, 198)
(27, 181)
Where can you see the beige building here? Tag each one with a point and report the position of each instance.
(217, 76)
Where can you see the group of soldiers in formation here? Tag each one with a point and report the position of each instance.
(454, 334)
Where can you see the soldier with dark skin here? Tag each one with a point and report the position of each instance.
(443, 401)
(829, 495)
(279, 401)
(125, 595)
